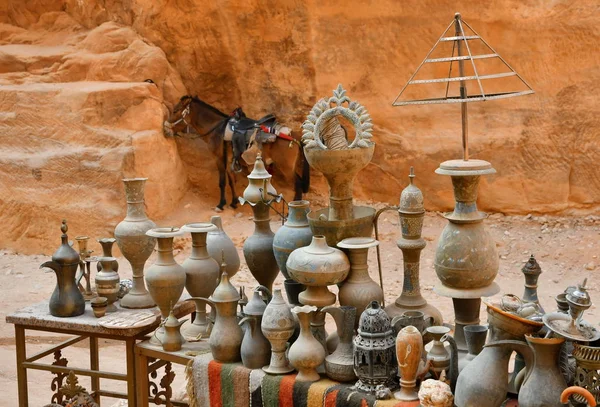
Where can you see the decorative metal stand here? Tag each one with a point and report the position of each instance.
(466, 260)
(164, 393)
(328, 151)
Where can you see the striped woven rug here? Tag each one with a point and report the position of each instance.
(232, 385)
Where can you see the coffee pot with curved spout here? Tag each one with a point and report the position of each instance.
(226, 335)
(66, 300)
(544, 381)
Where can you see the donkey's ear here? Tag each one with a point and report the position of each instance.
(185, 97)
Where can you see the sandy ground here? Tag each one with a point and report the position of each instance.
(566, 248)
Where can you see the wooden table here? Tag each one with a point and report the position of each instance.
(37, 317)
(150, 358)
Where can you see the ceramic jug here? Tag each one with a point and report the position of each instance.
(226, 336)
(437, 355)
(340, 364)
(307, 352)
(172, 339)
(218, 243)
(256, 349)
(278, 326)
(66, 299)
(484, 381)
(544, 381)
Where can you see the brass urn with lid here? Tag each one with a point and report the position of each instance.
(412, 213)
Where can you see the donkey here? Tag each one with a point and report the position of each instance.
(206, 121)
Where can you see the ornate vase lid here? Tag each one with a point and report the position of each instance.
(532, 267)
(411, 198)
(65, 254)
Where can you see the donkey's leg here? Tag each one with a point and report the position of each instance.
(232, 180)
(221, 166)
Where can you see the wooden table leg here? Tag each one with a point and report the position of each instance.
(131, 374)
(21, 371)
(143, 386)
(95, 365)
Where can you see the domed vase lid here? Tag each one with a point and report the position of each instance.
(374, 320)
(256, 306)
(411, 198)
(259, 178)
(65, 254)
(532, 267)
(225, 291)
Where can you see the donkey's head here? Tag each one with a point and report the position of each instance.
(178, 120)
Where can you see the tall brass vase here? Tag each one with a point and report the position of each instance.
(133, 242)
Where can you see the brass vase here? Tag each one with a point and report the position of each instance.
(258, 248)
(202, 275)
(317, 266)
(359, 289)
(278, 326)
(133, 242)
(107, 245)
(306, 353)
(107, 282)
(466, 260)
(165, 278)
(411, 213)
(219, 244)
(339, 161)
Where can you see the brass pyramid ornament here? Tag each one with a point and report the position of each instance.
(466, 261)
(460, 44)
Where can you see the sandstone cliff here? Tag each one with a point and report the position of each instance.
(280, 57)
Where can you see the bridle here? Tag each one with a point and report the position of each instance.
(184, 114)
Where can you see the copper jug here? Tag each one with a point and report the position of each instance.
(66, 300)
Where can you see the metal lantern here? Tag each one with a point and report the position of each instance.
(375, 350)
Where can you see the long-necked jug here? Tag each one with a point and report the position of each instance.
(544, 381)
(484, 381)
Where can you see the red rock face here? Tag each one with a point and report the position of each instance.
(280, 57)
